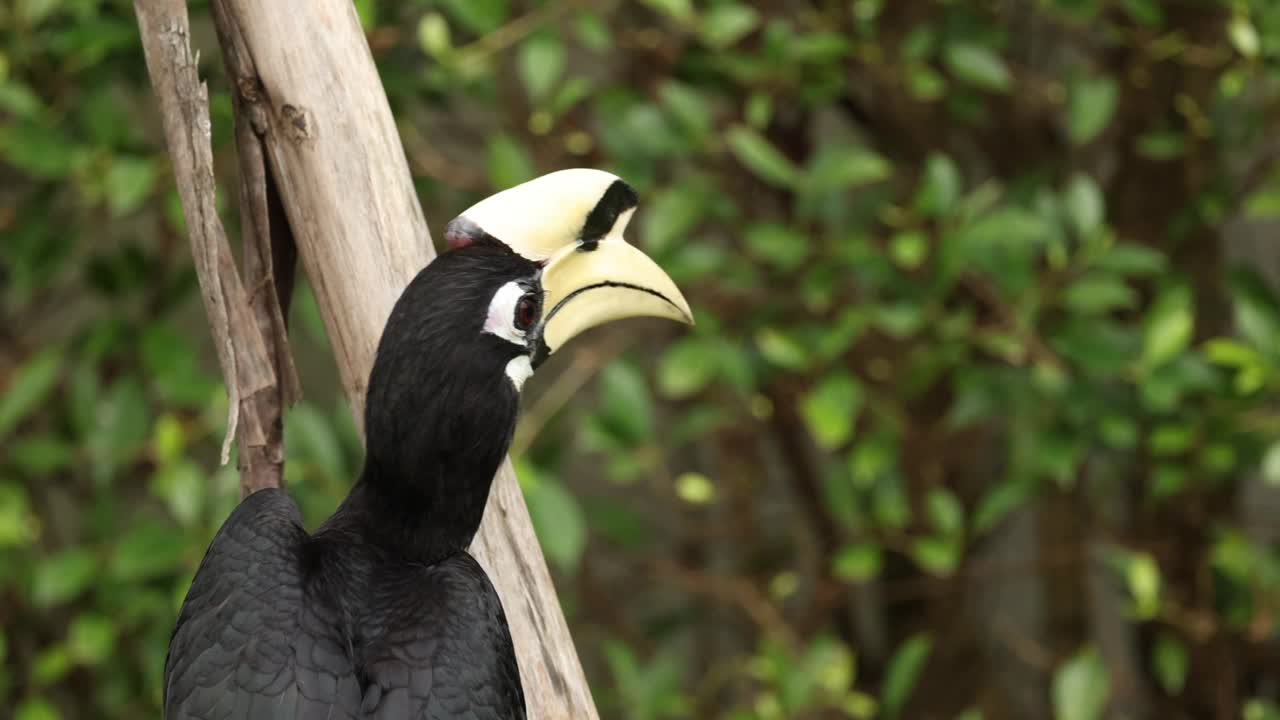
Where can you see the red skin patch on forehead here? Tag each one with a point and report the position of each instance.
(461, 232)
(458, 239)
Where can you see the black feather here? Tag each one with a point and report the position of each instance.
(381, 613)
(619, 198)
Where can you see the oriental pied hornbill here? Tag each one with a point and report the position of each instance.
(382, 613)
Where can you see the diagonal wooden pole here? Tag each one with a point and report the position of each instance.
(309, 90)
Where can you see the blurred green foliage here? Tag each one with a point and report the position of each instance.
(977, 421)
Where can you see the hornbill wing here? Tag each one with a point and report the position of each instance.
(246, 644)
(445, 653)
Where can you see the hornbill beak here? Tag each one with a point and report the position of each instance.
(589, 284)
(572, 222)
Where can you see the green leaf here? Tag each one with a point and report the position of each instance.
(1003, 244)
(781, 349)
(18, 524)
(44, 151)
(760, 157)
(182, 485)
(146, 551)
(900, 320)
(41, 454)
(1091, 104)
(433, 35)
(902, 672)
(1099, 293)
(625, 405)
(1271, 465)
(478, 16)
(509, 163)
(778, 245)
(687, 106)
(840, 167)
(940, 187)
(1132, 260)
(309, 436)
(724, 25)
(540, 62)
(1080, 687)
(62, 577)
(130, 181)
(945, 511)
(678, 9)
(1170, 662)
(51, 665)
(1144, 12)
(925, 84)
(695, 488)
(28, 386)
(1169, 326)
(1244, 36)
(591, 31)
(937, 555)
(687, 367)
(831, 408)
(121, 427)
(889, 503)
(858, 562)
(1085, 206)
(997, 503)
(1255, 310)
(672, 216)
(558, 522)
(1143, 576)
(19, 100)
(36, 708)
(909, 249)
(978, 66)
(91, 638)
(1260, 709)
(1161, 145)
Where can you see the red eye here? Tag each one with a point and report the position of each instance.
(526, 312)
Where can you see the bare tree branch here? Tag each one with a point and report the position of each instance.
(247, 368)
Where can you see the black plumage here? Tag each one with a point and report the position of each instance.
(381, 613)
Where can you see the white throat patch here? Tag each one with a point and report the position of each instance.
(519, 368)
(501, 321)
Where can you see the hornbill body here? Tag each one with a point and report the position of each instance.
(382, 613)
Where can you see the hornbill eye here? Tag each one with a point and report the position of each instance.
(526, 312)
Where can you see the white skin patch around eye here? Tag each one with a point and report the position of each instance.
(501, 320)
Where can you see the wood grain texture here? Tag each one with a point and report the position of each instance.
(243, 353)
(343, 179)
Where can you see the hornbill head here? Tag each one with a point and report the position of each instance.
(568, 225)
(529, 268)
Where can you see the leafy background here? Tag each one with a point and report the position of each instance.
(977, 421)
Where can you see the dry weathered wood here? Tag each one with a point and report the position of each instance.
(336, 158)
(246, 364)
(270, 256)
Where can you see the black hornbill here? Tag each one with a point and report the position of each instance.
(382, 613)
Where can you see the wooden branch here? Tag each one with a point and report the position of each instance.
(270, 256)
(247, 367)
(334, 153)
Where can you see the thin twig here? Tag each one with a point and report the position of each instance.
(513, 32)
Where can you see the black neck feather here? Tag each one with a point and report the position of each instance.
(440, 411)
